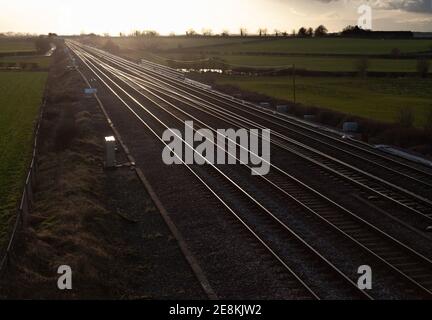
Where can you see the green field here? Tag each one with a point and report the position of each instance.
(235, 45)
(311, 54)
(281, 62)
(373, 98)
(43, 62)
(13, 45)
(170, 43)
(325, 46)
(320, 63)
(20, 98)
(379, 99)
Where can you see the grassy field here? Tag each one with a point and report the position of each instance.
(325, 46)
(43, 62)
(373, 98)
(271, 45)
(13, 45)
(320, 63)
(280, 62)
(169, 43)
(379, 99)
(20, 98)
(249, 52)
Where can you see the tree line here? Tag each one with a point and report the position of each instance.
(303, 32)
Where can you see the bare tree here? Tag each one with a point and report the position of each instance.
(225, 33)
(262, 32)
(302, 32)
(149, 33)
(243, 32)
(321, 31)
(207, 32)
(191, 32)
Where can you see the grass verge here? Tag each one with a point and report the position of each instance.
(20, 98)
(376, 99)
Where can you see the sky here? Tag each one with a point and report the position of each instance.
(177, 16)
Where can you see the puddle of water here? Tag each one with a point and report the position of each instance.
(201, 70)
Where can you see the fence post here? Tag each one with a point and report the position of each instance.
(24, 210)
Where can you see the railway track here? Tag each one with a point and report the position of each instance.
(408, 200)
(411, 268)
(412, 211)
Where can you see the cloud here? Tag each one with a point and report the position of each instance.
(420, 6)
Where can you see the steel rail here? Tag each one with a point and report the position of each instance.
(311, 249)
(427, 202)
(370, 252)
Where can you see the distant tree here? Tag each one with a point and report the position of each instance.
(243, 32)
(52, 35)
(423, 66)
(321, 31)
(191, 33)
(302, 32)
(362, 66)
(309, 32)
(136, 33)
(349, 29)
(149, 33)
(207, 32)
(294, 33)
(172, 34)
(225, 33)
(355, 31)
(262, 32)
(285, 34)
(277, 33)
(406, 117)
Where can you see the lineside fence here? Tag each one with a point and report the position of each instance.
(25, 205)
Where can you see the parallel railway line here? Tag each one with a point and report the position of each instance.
(408, 200)
(392, 256)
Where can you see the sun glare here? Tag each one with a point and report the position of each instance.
(164, 16)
